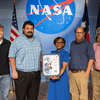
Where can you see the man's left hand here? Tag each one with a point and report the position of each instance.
(86, 75)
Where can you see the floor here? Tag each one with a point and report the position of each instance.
(44, 92)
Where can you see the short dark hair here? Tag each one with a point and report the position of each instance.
(78, 27)
(29, 23)
(56, 39)
(1, 26)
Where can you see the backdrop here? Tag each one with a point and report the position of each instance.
(50, 19)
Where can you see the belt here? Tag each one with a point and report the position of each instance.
(77, 71)
(29, 72)
(36, 71)
(96, 70)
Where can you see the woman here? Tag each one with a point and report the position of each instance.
(59, 85)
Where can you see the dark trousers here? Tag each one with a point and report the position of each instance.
(27, 85)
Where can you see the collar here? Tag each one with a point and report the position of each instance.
(4, 41)
(1, 42)
(60, 50)
(84, 40)
(28, 38)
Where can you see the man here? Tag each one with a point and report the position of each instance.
(95, 73)
(82, 57)
(24, 56)
(5, 78)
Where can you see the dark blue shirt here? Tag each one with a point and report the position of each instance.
(80, 55)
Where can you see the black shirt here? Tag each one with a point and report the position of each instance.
(4, 60)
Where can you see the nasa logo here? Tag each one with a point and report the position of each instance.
(51, 16)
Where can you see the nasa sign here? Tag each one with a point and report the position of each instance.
(50, 16)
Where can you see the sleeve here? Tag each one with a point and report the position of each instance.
(94, 58)
(70, 50)
(90, 51)
(13, 50)
(40, 46)
(52, 52)
(41, 49)
(66, 57)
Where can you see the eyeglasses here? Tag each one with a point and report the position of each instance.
(59, 42)
(98, 33)
(79, 32)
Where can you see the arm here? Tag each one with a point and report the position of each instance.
(93, 65)
(41, 57)
(13, 67)
(90, 52)
(94, 59)
(65, 64)
(41, 64)
(90, 63)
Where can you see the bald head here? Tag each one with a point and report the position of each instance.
(79, 34)
(80, 27)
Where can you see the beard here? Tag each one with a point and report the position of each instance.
(79, 40)
(29, 36)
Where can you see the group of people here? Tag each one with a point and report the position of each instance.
(25, 56)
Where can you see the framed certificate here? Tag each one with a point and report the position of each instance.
(51, 64)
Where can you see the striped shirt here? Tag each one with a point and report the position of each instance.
(26, 53)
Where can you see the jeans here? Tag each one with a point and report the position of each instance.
(5, 82)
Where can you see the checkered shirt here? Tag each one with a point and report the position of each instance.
(26, 53)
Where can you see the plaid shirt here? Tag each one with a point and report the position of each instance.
(26, 53)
